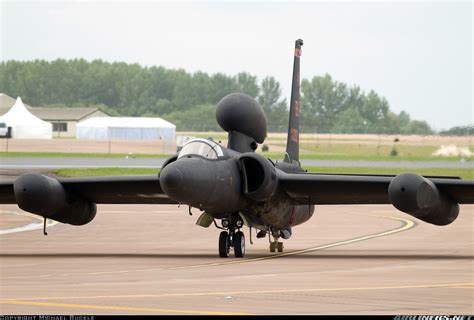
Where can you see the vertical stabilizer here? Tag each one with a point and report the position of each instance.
(292, 143)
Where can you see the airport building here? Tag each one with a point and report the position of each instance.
(126, 128)
(64, 120)
(92, 123)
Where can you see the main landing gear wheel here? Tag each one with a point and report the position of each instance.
(276, 246)
(239, 244)
(224, 245)
(272, 246)
(232, 237)
(280, 246)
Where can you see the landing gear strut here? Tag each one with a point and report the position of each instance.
(232, 238)
(275, 245)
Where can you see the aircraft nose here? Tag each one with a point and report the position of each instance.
(171, 177)
(202, 183)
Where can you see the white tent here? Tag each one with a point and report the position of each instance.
(24, 124)
(125, 128)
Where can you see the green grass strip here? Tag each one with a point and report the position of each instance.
(454, 172)
(367, 157)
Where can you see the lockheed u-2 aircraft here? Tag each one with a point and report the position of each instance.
(235, 186)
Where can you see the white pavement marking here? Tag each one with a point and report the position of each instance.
(28, 227)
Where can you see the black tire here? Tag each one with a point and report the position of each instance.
(239, 244)
(272, 247)
(224, 244)
(280, 247)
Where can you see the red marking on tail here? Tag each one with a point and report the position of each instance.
(297, 108)
(297, 52)
(294, 135)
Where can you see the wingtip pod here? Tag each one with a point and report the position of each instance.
(419, 197)
(46, 197)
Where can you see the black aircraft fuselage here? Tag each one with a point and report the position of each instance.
(223, 182)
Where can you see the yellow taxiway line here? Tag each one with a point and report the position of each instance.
(114, 308)
(467, 285)
(406, 225)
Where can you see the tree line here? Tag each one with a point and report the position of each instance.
(189, 99)
(459, 131)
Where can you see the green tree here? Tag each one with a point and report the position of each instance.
(419, 127)
(246, 83)
(322, 100)
(375, 110)
(403, 119)
(134, 90)
(351, 121)
(459, 131)
(274, 107)
(200, 118)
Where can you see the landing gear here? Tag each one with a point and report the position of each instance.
(239, 244)
(232, 238)
(280, 246)
(224, 246)
(275, 245)
(261, 234)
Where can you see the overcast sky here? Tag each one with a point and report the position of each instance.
(418, 55)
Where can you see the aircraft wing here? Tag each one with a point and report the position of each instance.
(362, 189)
(144, 189)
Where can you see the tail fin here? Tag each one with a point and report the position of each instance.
(293, 141)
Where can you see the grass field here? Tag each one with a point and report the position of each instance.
(463, 173)
(312, 146)
(320, 152)
(372, 152)
(364, 156)
(367, 151)
(358, 147)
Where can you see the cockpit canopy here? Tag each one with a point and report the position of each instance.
(201, 147)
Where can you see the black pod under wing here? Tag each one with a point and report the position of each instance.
(361, 189)
(6, 192)
(144, 189)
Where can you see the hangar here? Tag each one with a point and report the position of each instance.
(124, 128)
(65, 120)
(92, 123)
